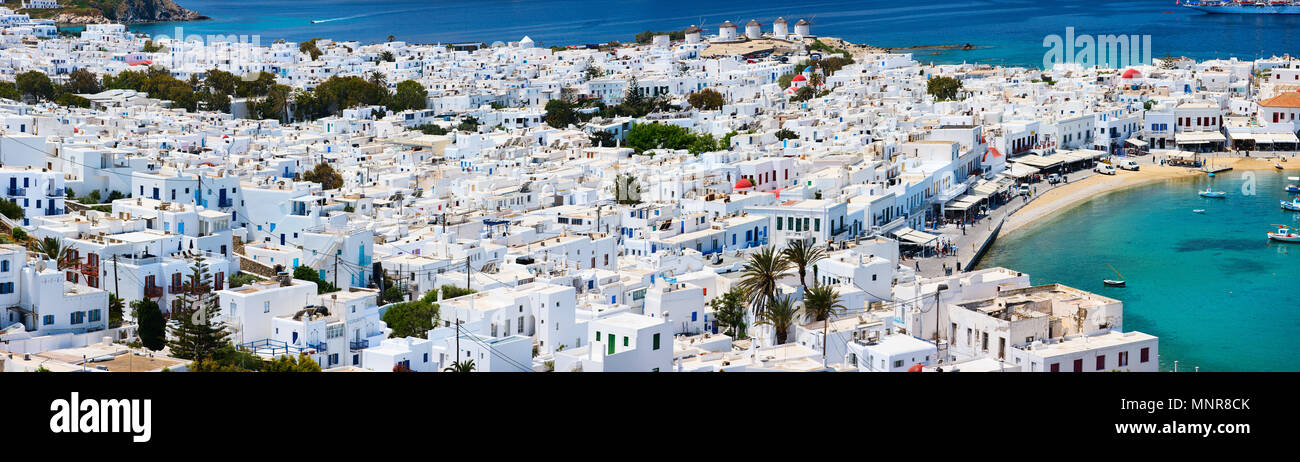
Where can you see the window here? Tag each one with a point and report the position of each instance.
(521, 325)
(817, 225)
(266, 307)
(597, 336)
(77, 317)
(624, 340)
(4, 266)
(94, 315)
(49, 319)
(426, 357)
(778, 223)
(1101, 362)
(898, 363)
(1144, 355)
(1056, 367)
(656, 341)
(1078, 365)
(6, 288)
(1123, 358)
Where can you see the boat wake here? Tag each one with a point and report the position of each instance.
(367, 15)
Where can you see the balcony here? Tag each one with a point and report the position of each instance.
(12, 191)
(56, 192)
(359, 344)
(89, 269)
(53, 211)
(175, 289)
(153, 291)
(320, 347)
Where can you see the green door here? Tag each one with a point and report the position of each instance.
(611, 343)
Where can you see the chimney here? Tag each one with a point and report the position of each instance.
(284, 278)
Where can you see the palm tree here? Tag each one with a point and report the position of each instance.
(54, 249)
(781, 314)
(460, 366)
(758, 280)
(822, 302)
(378, 78)
(803, 254)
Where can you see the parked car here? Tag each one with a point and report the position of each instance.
(1128, 165)
(1054, 178)
(1104, 169)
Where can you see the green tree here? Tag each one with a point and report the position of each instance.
(409, 95)
(943, 88)
(560, 114)
(259, 85)
(9, 91)
(469, 124)
(116, 307)
(411, 319)
(324, 174)
(759, 278)
(306, 273)
(387, 56)
(804, 93)
(286, 363)
(221, 82)
(786, 134)
(11, 209)
(460, 366)
(431, 129)
(802, 254)
(729, 312)
(56, 250)
(784, 80)
(151, 325)
(196, 334)
(821, 303)
(780, 314)
(83, 81)
(35, 85)
(707, 99)
(309, 47)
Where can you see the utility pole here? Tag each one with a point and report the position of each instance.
(467, 272)
(336, 271)
(116, 289)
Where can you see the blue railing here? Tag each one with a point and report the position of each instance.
(50, 211)
(359, 344)
(56, 192)
(16, 191)
(224, 203)
(272, 347)
(320, 347)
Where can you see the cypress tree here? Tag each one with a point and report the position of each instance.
(195, 334)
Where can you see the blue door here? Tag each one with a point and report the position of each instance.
(281, 238)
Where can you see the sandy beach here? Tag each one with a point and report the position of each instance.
(1074, 193)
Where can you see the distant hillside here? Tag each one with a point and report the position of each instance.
(103, 11)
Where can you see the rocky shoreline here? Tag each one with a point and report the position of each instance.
(128, 12)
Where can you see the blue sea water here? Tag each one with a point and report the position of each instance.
(1008, 32)
(1216, 291)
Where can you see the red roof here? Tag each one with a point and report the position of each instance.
(918, 367)
(799, 78)
(744, 183)
(146, 62)
(1132, 74)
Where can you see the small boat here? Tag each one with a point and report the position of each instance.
(1292, 205)
(1285, 234)
(1198, 210)
(1211, 193)
(1277, 165)
(1114, 282)
(1291, 188)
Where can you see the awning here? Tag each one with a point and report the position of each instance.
(1136, 142)
(913, 236)
(1199, 138)
(1021, 170)
(1037, 161)
(964, 202)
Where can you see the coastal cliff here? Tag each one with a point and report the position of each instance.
(120, 11)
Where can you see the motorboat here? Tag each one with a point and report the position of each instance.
(1292, 205)
(1198, 210)
(1291, 188)
(1211, 193)
(1285, 234)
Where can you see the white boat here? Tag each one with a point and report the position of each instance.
(1292, 205)
(1211, 193)
(1292, 188)
(1285, 234)
(1198, 210)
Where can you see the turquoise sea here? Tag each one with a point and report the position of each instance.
(1216, 291)
(1007, 31)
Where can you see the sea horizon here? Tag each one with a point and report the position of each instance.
(1002, 32)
